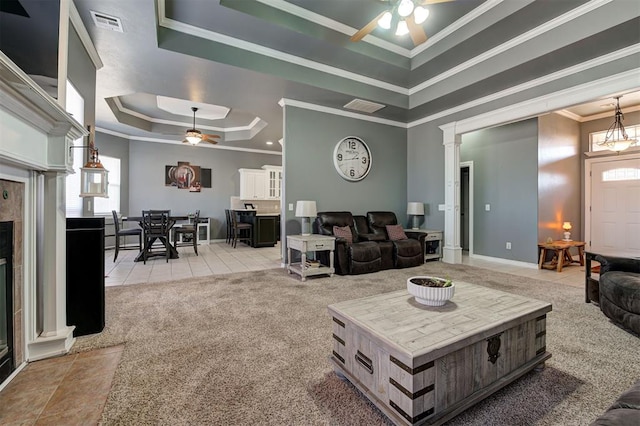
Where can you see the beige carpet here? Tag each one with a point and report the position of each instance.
(252, 348)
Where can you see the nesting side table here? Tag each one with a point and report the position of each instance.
(307, 243)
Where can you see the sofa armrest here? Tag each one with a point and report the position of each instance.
(624, 264)
(420, 236)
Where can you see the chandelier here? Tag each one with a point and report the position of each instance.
(616, 138)
(405, 9)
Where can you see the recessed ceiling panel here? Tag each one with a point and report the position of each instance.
(183, 107)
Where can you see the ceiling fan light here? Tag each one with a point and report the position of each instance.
(403, 28)
(405, 8)
(194, 137)
(420, 14)
(385, 21)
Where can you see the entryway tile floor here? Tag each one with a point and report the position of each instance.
(67, 390)
(72, 390)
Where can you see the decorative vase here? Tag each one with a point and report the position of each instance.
(430, 295)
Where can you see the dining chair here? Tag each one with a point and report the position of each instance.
(187, 230)
(227, 214)
(124, 233)
(155, 224)
(238, 228)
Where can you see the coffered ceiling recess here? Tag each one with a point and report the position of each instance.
(247, 55)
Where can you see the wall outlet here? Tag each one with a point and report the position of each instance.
(508, 246)
(441, 207)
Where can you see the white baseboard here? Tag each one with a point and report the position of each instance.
(505, 261)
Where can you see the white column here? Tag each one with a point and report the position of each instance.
(56, 337)
(452, 251)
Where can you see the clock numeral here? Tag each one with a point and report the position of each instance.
(364, 160)
(339, 157)
(352, 173)
(352, 144)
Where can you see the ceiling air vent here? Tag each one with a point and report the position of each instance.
(363, 106)
(107, 22)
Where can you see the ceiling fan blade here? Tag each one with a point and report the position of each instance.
(367, 28)
(211, 141)
(416, 32)
(211, 136)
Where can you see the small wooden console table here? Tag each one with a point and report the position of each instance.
(304, 244)
(562, 256)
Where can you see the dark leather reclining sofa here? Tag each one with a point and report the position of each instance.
(370, 250)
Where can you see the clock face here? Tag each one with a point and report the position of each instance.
(352, 158)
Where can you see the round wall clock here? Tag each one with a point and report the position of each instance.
(352, 158)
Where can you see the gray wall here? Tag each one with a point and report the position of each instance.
(559, 177)
(505, 176)
(309, 174)
(81, 72)
(116, 147)
(147, 161)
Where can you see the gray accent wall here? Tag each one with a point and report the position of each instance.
(559, 177)
(309, 173)
(505, 165)
(143, 184)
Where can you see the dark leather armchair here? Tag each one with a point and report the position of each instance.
(356, 257)
(406, 253)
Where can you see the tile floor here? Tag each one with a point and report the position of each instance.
(72, 389)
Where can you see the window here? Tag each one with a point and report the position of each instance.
(103, 206)
(621, 174)
(632, 131)
(75, 107)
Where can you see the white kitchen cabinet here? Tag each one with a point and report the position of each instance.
(252, 184)
(273, 182)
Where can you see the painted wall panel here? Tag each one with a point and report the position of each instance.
(506, 178)
(147, 190)
(559, 177)
(310, 138)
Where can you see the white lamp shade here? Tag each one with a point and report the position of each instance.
(306, 209)
(415, 208)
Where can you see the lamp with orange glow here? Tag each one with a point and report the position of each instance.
(567, 227)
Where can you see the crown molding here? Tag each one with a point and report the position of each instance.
(335, 111)
(174, 142)
(171, 24)
(548, 26)
(576, 69)
(76, 21)
(322, 20)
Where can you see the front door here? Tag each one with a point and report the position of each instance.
(615, 206)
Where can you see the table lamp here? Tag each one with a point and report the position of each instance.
(415, 209)
(306, 210)
(567, 227)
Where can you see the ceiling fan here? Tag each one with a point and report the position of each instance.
(405, 16)
(195, 136)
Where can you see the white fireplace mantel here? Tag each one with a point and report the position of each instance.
(36, 134)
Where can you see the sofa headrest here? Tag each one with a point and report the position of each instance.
(325, 221)
(378, 221)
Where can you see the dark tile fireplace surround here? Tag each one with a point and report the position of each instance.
(11, 279)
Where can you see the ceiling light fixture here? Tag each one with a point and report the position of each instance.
(617, 138)
(194, 137)
(402, 12)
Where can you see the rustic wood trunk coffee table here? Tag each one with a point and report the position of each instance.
(424, 365)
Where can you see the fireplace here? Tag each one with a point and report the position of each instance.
(7, 361)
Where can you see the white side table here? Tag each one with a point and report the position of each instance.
(432, 235)
(304, 244)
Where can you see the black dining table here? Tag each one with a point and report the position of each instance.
(173, 253)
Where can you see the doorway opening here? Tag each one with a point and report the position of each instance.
(466, 207)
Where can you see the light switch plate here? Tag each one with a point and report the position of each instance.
(290, 207)
(487, 207)
(441, 207)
